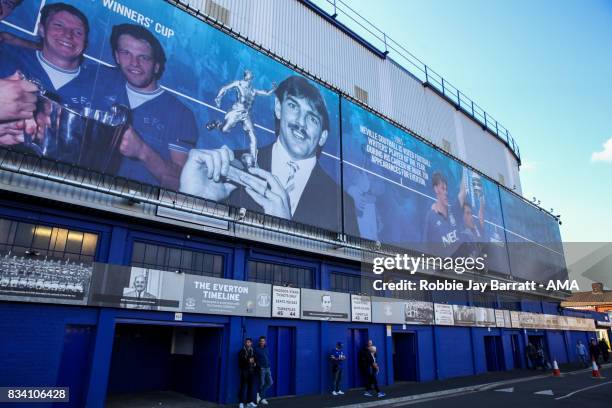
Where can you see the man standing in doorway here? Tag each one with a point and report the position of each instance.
(246, 364)
(337, 360)
(265, 375)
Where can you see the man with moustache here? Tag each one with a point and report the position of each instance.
(294, 185)
(162, 130)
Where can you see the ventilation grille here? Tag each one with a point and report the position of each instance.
(217, 12)
(361, 94)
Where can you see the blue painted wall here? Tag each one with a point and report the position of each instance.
(454, 353)
(32, 344)
(557, 345)
(35, 350)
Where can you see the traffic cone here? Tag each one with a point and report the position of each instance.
(595, 373)
(556, 371)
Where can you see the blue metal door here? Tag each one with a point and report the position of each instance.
(141, 358)
(206, 364)
(405, 359)
(491, 353)
(75, 363)
(356, 341)
(499, 353)
(516, 351)
(281, 347)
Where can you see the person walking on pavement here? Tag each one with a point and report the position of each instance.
(532, 355)
(374, 369)
(265, 375)
(337, 361)
(582, 353)
(605, 350)
(595, 351)
(364, 368)
(247, 365)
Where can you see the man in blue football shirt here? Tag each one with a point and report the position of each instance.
(162, 130)
(441, 235)
(59, 66)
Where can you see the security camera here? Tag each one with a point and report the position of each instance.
(242, 213)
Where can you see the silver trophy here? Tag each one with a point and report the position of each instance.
(89, 138)
(240, 112)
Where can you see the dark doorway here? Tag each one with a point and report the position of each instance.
(516, 351)
(405, 357)
(538, 340)
(356, 341)
(152, 358)
(494, 352)
(281, 347)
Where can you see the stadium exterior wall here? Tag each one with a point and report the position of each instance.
(73, 346)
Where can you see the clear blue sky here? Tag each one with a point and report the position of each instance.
(544, 70)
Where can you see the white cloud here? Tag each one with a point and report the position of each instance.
(605, 155)
(527, 166)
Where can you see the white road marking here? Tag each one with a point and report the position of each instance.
(582, 389)
(511, 389)
(545, 392)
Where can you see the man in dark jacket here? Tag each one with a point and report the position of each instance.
(363, 362)
(532, 355)
(373, 370)
(247, 364)
(605, 350)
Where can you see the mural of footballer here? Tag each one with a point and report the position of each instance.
(58, 66)
(441, 235)
(294, 185)
(162, 129)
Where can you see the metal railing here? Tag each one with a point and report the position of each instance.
(350, 19)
